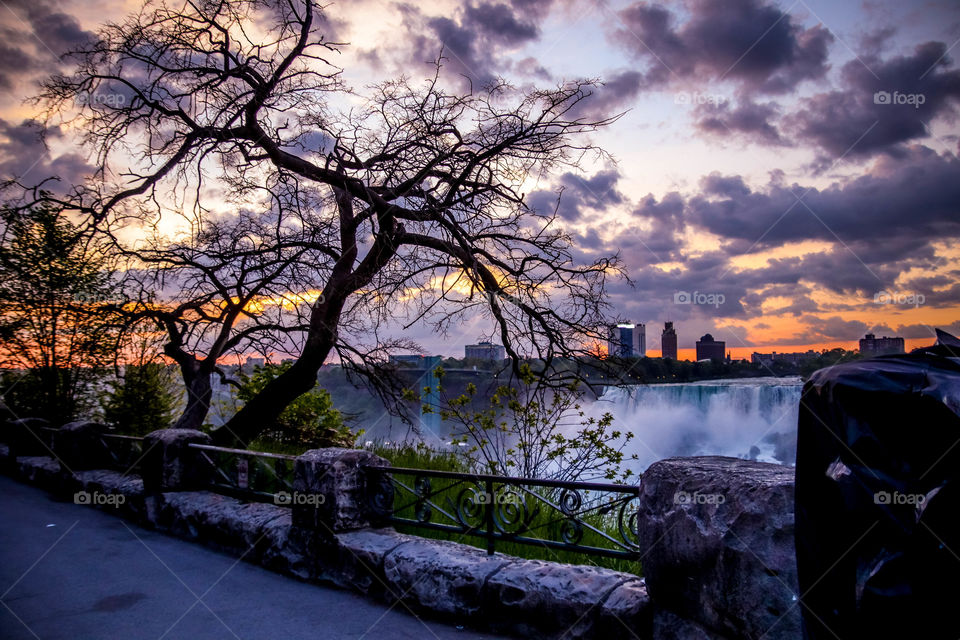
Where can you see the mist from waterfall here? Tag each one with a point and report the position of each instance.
(753, 418)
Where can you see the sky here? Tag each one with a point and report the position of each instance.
(784, 174)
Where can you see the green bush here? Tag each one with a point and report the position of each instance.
(142, 401)
(310, 421)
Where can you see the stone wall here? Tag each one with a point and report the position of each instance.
(716, 542)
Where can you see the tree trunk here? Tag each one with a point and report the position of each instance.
(199, 393)
(264, 408)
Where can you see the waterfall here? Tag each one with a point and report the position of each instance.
(753, 418)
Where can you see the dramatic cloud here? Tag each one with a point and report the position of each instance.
(474, 40)
(662, 225)
(900, 204)
(499, 23)
(926, 330)
(750, 120)
(829, 329)
(872, 246)
(25, 156)
(797, 293)
(614, 95)
(578, 193)
(35, 33)
(882, 104)
(753, 43)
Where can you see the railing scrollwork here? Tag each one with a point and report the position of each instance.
(592, 518)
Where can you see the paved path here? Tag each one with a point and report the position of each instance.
(72, 572)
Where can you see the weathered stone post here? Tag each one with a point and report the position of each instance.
(169, 464)
(25, 437)
(331, 490)
(716, 536)
(78, 446)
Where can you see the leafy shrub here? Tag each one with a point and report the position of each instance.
(311, 420)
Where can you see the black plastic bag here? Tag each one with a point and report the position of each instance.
(878, 497)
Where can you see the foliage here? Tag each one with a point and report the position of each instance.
(535, 430)
(310, 420)
(54, 286)
(143, 400)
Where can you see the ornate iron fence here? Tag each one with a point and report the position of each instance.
(125, 452)
(583, 517)
(251, 475)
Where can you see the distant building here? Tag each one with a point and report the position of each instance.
(668, 341)
(485, 351)
(710, 349)
(628, 340)
(870, 345)
(255, 362)
(796, 357)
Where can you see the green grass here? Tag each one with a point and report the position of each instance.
(419, 456)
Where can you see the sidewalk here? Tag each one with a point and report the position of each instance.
(73, 572)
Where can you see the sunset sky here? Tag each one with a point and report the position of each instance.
(790, 166)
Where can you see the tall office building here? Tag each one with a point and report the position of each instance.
(628, 340)
(668, 341)
(485, 351)
(871, 345)
(710, 349)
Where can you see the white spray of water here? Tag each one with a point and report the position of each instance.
(746, 418)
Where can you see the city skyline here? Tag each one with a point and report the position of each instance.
(654, 349)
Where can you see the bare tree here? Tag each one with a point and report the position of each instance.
(224, 290)
(420, 188)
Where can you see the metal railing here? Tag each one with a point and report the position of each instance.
(250, 475)
(46, 435)
(583, 517)
(125, 452)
